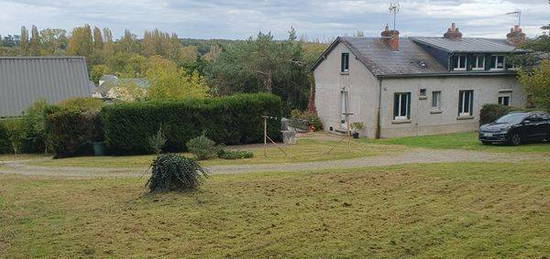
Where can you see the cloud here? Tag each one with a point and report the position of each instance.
(238, 19)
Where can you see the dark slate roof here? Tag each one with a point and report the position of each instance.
(24, 80)
(380, 60)
(467, 45)
(411, 59)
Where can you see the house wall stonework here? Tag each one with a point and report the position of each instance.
(425, 120)
(363, 93)
(362, 89)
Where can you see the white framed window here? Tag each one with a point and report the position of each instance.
(436, 100)
(459, 62)
(345, 63)
(402, 106)
(465, 103)
(478, 62)
(497, 62)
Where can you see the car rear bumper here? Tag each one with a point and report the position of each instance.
(493, 137)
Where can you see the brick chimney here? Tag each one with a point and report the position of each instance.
(453, 33)
(390, 38)
(516, 36)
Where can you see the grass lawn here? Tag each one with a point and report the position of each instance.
(11, 157)
(437, 210)
(306, 150)
(468, 141)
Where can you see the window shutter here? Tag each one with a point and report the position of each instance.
(460, 100)
(408, 106)
(471, 102)
(395, 105)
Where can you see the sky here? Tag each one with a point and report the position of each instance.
(240, 19)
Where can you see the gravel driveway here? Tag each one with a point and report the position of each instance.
(413, 156)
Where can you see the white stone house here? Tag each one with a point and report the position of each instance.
(417, 85)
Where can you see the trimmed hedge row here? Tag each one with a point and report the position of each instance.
(72, 132)
(229, 120)
(5, 145)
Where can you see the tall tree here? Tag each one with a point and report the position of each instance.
(35, 42)
(81, 41)
(54, 41)
(98, 39)
(24, 41)
(108, 46)
(170, 82)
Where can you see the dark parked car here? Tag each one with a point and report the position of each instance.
(516, 128)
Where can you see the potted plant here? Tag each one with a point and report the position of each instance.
(356, 127)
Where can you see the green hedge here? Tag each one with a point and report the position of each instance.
(229, 120)
(72, 132)
(5, 145)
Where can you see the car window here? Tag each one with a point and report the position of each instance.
(512, 118)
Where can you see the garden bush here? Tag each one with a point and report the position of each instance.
(311, 118)
(35, 138)
(233, 155)
(203, 148)
(12, 134)
(172, 172)
(72, 132)
(229, 120)
(491, 112)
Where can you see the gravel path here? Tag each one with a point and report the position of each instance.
(413, 156)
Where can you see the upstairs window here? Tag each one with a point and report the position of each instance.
(402, 106)
(497, 62)
(478, 62)
(459, 62)
(465, 103)
(345, 62)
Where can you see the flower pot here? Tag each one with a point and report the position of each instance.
(355, 135)
(99, 148)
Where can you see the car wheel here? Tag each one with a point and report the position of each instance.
(515, 139)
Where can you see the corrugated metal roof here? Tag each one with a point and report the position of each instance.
(468, 45)
(24, 80)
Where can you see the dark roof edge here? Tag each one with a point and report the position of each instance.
(42, 57)
(448, 74)
(335, 43)
(420, 41)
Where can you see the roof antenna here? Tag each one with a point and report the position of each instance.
(517, 14)
(394, 9)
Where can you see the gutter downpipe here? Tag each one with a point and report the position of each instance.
(378, 127)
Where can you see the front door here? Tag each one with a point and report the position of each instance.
(343, 109)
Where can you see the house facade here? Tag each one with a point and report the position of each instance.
(414, 86)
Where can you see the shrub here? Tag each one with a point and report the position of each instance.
(491, 112)
(5, 146)
(233, 155)
(35, 139)
(311, 118)
(157, 141)
(203, 148)
(72, 132)
(14, 135)
(172, 172)
(82, 104)
(229, 120)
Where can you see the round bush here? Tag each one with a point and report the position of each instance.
(172, 172)
(202, 147)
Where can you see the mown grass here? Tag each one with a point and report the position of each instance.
(306, 150)
(12, 157)
(467, 141)
(472, 210)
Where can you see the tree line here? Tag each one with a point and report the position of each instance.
(183, 67)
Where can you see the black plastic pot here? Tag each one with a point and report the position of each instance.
(355, 135)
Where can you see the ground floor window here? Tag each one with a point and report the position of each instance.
(505, 99)
(436, 100)
(402, 106)
(466, 103)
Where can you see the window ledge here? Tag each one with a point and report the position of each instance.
(423, 97)
(400, 121)
(436, 111)
(344, 73)
(465, 117)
